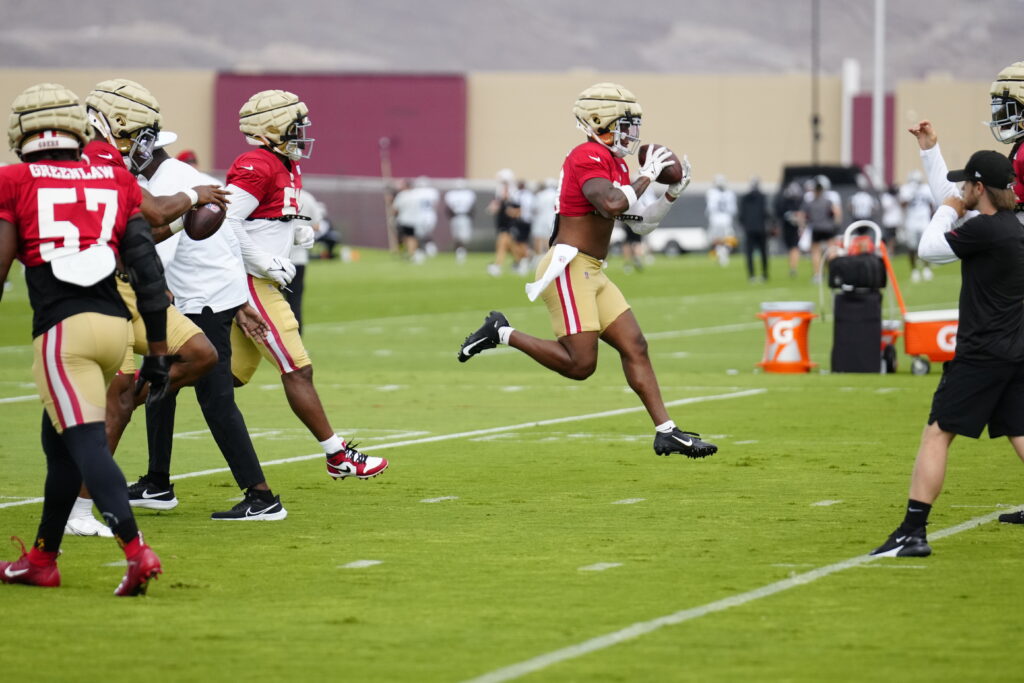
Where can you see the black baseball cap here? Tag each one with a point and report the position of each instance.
(988, 167)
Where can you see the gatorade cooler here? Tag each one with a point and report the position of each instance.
(786, 325)
(931, 334)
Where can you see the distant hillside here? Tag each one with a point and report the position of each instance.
(701, 36)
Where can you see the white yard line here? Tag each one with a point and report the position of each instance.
(641, 628)
(20, 399)
(463, 435)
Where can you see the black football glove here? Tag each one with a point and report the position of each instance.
(156, 371)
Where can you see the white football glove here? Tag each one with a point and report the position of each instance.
(277, 268)
(305, 236)
(657, 161)
(677, 189)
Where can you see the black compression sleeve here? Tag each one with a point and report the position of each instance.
(146, 273)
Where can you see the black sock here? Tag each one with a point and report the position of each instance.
(87, 445)
(160, 480)
(265, 496)
(917, 515)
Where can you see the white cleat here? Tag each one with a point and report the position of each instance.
(87, 526)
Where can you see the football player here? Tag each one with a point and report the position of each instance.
(208, 283)
(584, 305)
(264, 185)
(126, 125)
(68, 222)
(1007, 123)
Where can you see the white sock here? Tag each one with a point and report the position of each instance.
(504, 333)
(333, 444)
(666, 427)
(81, 508)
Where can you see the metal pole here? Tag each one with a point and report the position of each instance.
(878, 98)
(815, 65)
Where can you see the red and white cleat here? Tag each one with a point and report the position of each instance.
(143, 565)
(23, 571)
(348, 462)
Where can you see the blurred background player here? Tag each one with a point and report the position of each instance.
(188, 157)
(545, 206)
(264, 185)
(207, 280)
(720, 208)
(787, 208)
(424, 201)
(501, 208)
(918, 204)
(403, 207)
(583, 304)
(753, 218)
(311, 214)
(892, 215)
(522, 201)
(459, 203)
(863, 203)
(820, 217)
(79, 322)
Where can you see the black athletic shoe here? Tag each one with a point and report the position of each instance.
(904, 544)
(254, 509)
(143, 494)
(687, 443)
(484, 338)
(1012, 517)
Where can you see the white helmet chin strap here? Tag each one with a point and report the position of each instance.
(101, 125)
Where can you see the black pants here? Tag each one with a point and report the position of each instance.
(756, 241)
(294, 297)
(215, 392)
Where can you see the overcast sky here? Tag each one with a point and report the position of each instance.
(969, 39)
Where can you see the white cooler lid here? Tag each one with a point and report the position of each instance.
(793, 306)
(950, 314)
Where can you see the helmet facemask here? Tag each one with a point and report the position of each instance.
(622, 136)
(295, 144)
(1006, 124)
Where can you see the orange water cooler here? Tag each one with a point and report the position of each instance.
(786, 326)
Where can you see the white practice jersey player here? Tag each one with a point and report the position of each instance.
(460, 202)
(310, 208)
(721, 211)
(199, 273)
(544, 209)
(919, 206)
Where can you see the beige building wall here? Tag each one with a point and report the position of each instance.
(735, 125)
(957, 109)
(186, 99)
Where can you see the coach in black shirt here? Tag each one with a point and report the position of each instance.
(984, 383)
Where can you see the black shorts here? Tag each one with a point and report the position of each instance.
(632, 237)
(521, 232)
(970, 396)
(406, 231)
(822, 235)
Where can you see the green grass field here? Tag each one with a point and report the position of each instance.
(541, 537)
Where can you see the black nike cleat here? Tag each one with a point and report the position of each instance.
(254, 508)
(687, 443)
(904, 544)
(484, 338)
(1012, 517)
(145, 494)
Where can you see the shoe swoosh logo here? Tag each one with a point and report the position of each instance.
(147, 494)
(685, 442)
(250, 513)
(901, 539)
(469, 347)
(14, 573)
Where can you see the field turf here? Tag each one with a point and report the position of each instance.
(525, 528)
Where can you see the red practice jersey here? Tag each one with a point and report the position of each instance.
(265, 176)
(102, 153)
(589, 160)
(1017, 159)
(59, 208)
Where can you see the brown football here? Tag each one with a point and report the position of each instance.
(669, 175)
(203, 221)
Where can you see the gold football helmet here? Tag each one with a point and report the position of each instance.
(47, 116)
(1007, 92)
(127, 116)
(611, 115)
(277, 119)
